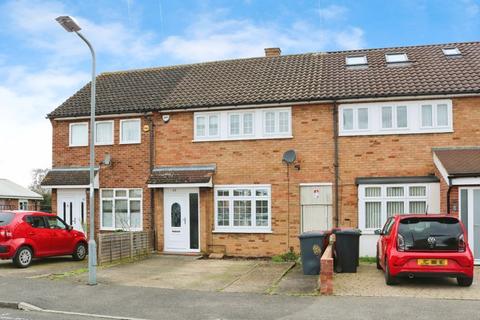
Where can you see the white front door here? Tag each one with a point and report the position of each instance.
(177, 216)
(316, 206)
(71, 207)
(470, 216)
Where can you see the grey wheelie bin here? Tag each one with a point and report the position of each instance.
(346, 250)
(312, 245)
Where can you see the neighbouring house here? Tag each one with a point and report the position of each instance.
(16, 197)
(195, 152)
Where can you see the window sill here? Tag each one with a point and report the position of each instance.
(241, 139)
(121, 230)
(78, 146)
(241, 231)
(136, 142)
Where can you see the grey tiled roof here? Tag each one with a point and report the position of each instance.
(182, 174)
(460, 162)
(64, 177)
(289, 78)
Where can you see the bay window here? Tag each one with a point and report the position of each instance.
(243, 208)
(121, 209)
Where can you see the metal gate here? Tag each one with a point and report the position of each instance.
(316, 206)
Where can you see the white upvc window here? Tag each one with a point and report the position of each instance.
(207, 125)
(78, 136)
(354, 118)
(396, 117)
(243, 208)
(248, 124)
(130, 131)
(277, 122)
(241, 124)
(356, 60)
(377, 203)
(121, 209)
(396, 57)
(104, 132)
(22, 204)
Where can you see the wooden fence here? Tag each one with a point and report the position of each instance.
(123, 245)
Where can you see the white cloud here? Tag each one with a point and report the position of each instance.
(332, 11)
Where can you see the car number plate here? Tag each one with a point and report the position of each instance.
(432, 262)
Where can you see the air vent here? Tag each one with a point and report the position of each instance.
(453, 51)
(356, 60)
(396, 57)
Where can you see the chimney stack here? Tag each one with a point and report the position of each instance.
(272, 52)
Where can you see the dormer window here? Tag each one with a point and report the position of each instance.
(454, 51)
(356, 60)
(396, 57)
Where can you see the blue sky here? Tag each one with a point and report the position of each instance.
(41, 65)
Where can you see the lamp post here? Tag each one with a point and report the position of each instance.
(71, 25)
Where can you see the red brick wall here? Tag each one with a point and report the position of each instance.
(12, 204)
(260, 162)
(130, 162)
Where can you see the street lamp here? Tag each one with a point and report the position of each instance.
(71, 26)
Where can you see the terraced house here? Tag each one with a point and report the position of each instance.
(195, 152)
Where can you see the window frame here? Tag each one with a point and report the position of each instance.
(355, 119)
(241, 124)
(121, 141)
(22, 201)
(434, 119)
(129, 199)
(384, 199)
(253, 198)
(349, 62)
(108, 143)
(207, 117)
(276, 131)
(448, 51)
(388, 57)
(70, 144)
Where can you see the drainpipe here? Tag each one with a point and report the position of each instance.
(448, 194)
(335, 161)
(152, 191)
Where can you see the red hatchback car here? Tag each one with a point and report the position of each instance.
(424, 246)
(25, 235)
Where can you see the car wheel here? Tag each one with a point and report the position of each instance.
(23, 257)
(389, 279)
(464, 281)
(80, 252)
(379, 267)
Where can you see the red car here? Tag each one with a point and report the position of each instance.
(26, 235)
(420, 245)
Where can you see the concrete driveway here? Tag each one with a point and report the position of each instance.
(369, 282)
(186, 272)
(42, 267)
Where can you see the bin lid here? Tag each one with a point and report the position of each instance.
(313, 234)
(347, 231)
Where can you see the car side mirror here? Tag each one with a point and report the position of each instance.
(378, 232)
(69, 228)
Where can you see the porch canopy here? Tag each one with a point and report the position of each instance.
(458, 165)
(182, 176)
(69, 178)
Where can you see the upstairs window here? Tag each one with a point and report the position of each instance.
(130, 131)
(207, 125)
(241, 124)
(78, 134)
(277, 122)
(396, 57)
(451, 51)
(436, 116)
(356, 60)
(103, 132)
(355, 118)
(394, 117)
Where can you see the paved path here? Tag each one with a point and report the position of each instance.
(155, 303)
(369, 281)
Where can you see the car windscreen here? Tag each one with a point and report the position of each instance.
(429, 234)
(6, 218)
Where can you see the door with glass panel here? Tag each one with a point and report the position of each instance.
(181, 220)
(71, 207)
(470, 216)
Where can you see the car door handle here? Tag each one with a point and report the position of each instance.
(31, 233)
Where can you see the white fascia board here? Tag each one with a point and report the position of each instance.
(441, 168)
(467, 181)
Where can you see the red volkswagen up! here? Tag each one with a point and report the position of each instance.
(424, 245)
(25, 235)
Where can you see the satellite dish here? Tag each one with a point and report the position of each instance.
(289, 156)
